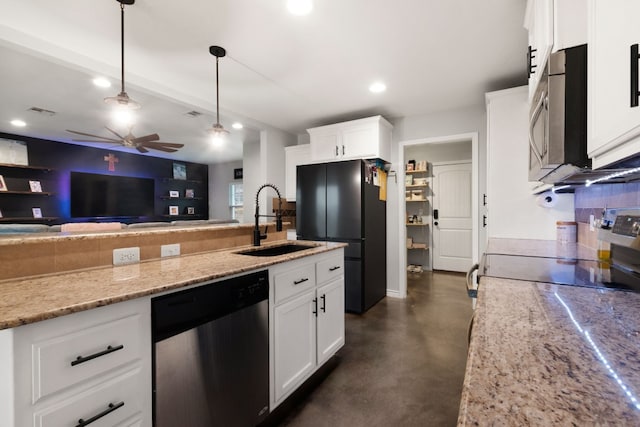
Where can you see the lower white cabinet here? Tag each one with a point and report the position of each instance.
(92, 365)
(308, 324)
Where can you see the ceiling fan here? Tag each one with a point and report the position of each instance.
(142, 144)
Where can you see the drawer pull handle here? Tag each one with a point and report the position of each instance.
(337, 267)
(110, 409)
(297, 282)
(324, 303)
(82, 359)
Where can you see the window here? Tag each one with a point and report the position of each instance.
(236, 200)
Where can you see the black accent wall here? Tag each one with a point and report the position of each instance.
(51, 162)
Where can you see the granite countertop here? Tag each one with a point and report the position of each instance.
(543, 354)
(546, 354)
(37, 298)
(541, 248)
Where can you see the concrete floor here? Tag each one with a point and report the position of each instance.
(403, 363)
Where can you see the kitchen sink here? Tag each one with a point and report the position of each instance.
(274, 250)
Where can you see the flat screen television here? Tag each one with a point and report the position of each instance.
(96, 195)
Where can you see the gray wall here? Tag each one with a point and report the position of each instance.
(220, 176)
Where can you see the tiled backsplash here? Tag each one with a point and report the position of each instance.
(592, 200)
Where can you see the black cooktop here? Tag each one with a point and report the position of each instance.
(562, 271)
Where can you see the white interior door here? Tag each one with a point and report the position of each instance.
(452, 230)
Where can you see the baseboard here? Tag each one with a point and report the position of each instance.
(393, 294)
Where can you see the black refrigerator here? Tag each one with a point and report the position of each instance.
(334, 202)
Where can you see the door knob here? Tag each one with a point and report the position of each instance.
(435, 223)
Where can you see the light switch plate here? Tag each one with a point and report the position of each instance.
(591, 221)
(170, 250)
(126, 255)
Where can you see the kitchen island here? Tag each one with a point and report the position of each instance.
(546, 354)
(78, 346)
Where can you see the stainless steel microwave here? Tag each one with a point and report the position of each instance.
(558, 118)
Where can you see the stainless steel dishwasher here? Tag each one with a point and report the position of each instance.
(211, 354)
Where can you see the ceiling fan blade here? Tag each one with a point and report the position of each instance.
(146, 138)
(161, 148)
(93, 136)
(141, 149)
(165, 144)
(115, 133)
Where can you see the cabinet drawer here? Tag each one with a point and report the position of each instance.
(68, 359)
(122, 393)
(293, 282)
(330, 268)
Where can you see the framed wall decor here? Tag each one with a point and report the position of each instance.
(37, 212)
(189, 193)
(179, 171)
(35, 186)
(174, 193)
(173, 210)
(191, 210)
(237, 173)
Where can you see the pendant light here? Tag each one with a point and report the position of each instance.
(122, 100)
(217, 131)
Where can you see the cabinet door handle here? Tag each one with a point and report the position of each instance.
(315, 307)
(109, 349)
(324, 303)
(484, 200)
(634, 75)
(337, 152)
(304, 279)
(484, 221)
(112, 407)
(337, 267)
(343, 150)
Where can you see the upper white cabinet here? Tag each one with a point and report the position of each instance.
(614, 121)
(295, 156)
(569, 23)
(367, 138)
(539, 23)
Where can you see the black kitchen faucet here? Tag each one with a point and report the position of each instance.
(256, 230)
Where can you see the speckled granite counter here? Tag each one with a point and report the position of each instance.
(34, 299)
(542, 248)
(544, 354)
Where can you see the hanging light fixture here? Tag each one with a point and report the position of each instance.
(217, 131)
(122, 100)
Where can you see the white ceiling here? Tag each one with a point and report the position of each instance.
(281, 70)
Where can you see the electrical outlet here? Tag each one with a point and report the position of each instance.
(170, 250)
(126, 255)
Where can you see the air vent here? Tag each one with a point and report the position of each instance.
(193, 113)
(42, 111)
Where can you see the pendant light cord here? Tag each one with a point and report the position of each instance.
(122, 47)
(217, 95)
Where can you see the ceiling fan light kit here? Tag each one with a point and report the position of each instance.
(122, 100)
(217, 131)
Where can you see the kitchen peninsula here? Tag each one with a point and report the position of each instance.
(548, 354)
(51, 324)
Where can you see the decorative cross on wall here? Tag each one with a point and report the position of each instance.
(112, 162)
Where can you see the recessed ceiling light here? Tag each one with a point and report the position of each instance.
(377, 87)
(101, 82)
(299, 7)
(237, 125)
(18, 123)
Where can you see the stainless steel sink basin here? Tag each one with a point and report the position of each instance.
(274, 250)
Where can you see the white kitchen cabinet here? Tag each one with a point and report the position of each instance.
(295, 156)
(569, 23)
(539, 24)
(368, 138)
(307, 321)
(330, 327)
(86, 364)
(614, 125)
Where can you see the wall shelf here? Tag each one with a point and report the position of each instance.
(35, 168)
(415, 200)
(28, 218)
(180, 198)
(417, 225)
(416, 186)
(418, 171)
(29, 193)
